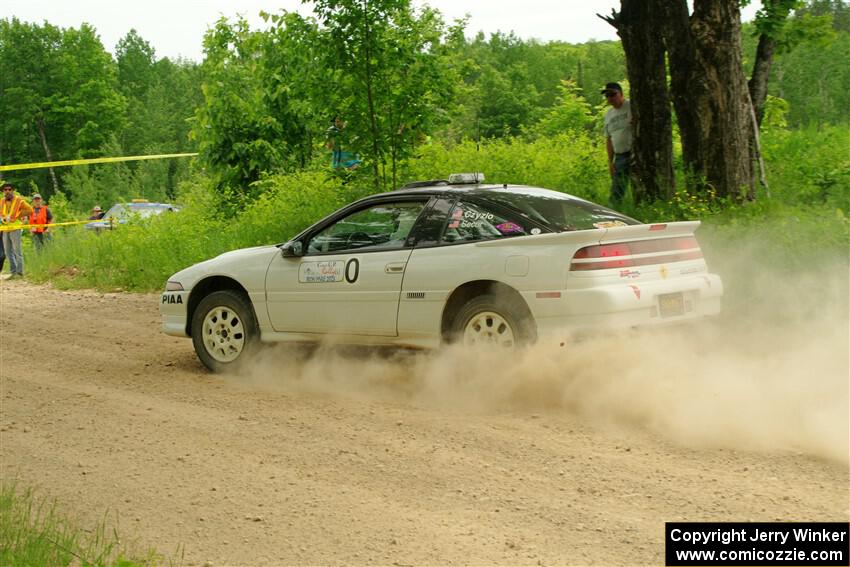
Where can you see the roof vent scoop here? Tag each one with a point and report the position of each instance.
(466, 178)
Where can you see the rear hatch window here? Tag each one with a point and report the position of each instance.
(560, 211)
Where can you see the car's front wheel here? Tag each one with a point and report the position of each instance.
(491, 320)
(224, 330)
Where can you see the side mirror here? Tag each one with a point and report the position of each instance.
(292, 249)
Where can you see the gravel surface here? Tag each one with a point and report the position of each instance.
(341, 457)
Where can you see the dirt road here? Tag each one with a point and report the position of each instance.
(338, 458)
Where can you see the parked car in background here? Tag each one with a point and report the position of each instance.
(443, 261)
(120, 213)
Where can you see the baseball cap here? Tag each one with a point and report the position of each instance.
(36, 196)
(611, 87)
(97, 208)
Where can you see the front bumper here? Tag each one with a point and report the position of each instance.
(173, 307)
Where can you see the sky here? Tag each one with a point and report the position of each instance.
(175, 28)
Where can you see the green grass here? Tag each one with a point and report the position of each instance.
(34, 533)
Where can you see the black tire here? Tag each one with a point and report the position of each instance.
(224, 330)
(495, 320)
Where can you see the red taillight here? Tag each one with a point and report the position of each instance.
(686, 243)
(614, 251)
(604, 251)
(622, 254)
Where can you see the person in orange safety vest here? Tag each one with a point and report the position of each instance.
(14, 211)
(40, 216)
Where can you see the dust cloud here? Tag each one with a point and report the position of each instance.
(770, 374)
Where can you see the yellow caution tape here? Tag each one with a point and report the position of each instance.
(19, 226)
(46, 164)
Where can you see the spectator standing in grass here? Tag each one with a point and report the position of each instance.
(14, 211)
(96, 213)
(337, 140)
(2, 249)
(618, 140)
(41, 215)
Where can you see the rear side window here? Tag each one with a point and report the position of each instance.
(430, 227)
(471, 222)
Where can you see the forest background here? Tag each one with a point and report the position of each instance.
(419, 100)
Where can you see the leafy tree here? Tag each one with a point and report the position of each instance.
(58, 95)
(809, 70)
(387, 76)
(167, 115)
(599, 62)
(570, 114)
(84, 100)
(162, 97)
(102, 185)
(296, 82)
(499, 95)
(813, 78)
(510, 83)
(503, 109)
(839, 10)
(777, 33)
(24, 49)
(136, 58)
(237, 136)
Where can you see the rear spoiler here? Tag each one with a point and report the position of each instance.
(647, 231)
(600, 235)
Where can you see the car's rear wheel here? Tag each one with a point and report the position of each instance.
(491, 320)
(224, 330)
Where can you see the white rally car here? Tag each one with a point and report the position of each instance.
(441, 261)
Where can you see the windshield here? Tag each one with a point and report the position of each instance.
(143, 210)
(561, 211)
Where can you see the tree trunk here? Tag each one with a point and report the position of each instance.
(47, 153)
(758, 96)
(685, 83)
(728, 156)
(761, 73)
(771, 21)
(580, 80)
(652, 147)
(710, 94)
(370, 97)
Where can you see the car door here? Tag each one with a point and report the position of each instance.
(445, 257)
(349, 279)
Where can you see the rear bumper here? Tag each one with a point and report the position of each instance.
(623, 306)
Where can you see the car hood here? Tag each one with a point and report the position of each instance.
(247, 266)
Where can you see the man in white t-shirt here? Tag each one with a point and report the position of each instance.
(618, 140)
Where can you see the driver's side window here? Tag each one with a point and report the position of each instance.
(380, 227)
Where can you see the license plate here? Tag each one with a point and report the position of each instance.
(671, 304)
